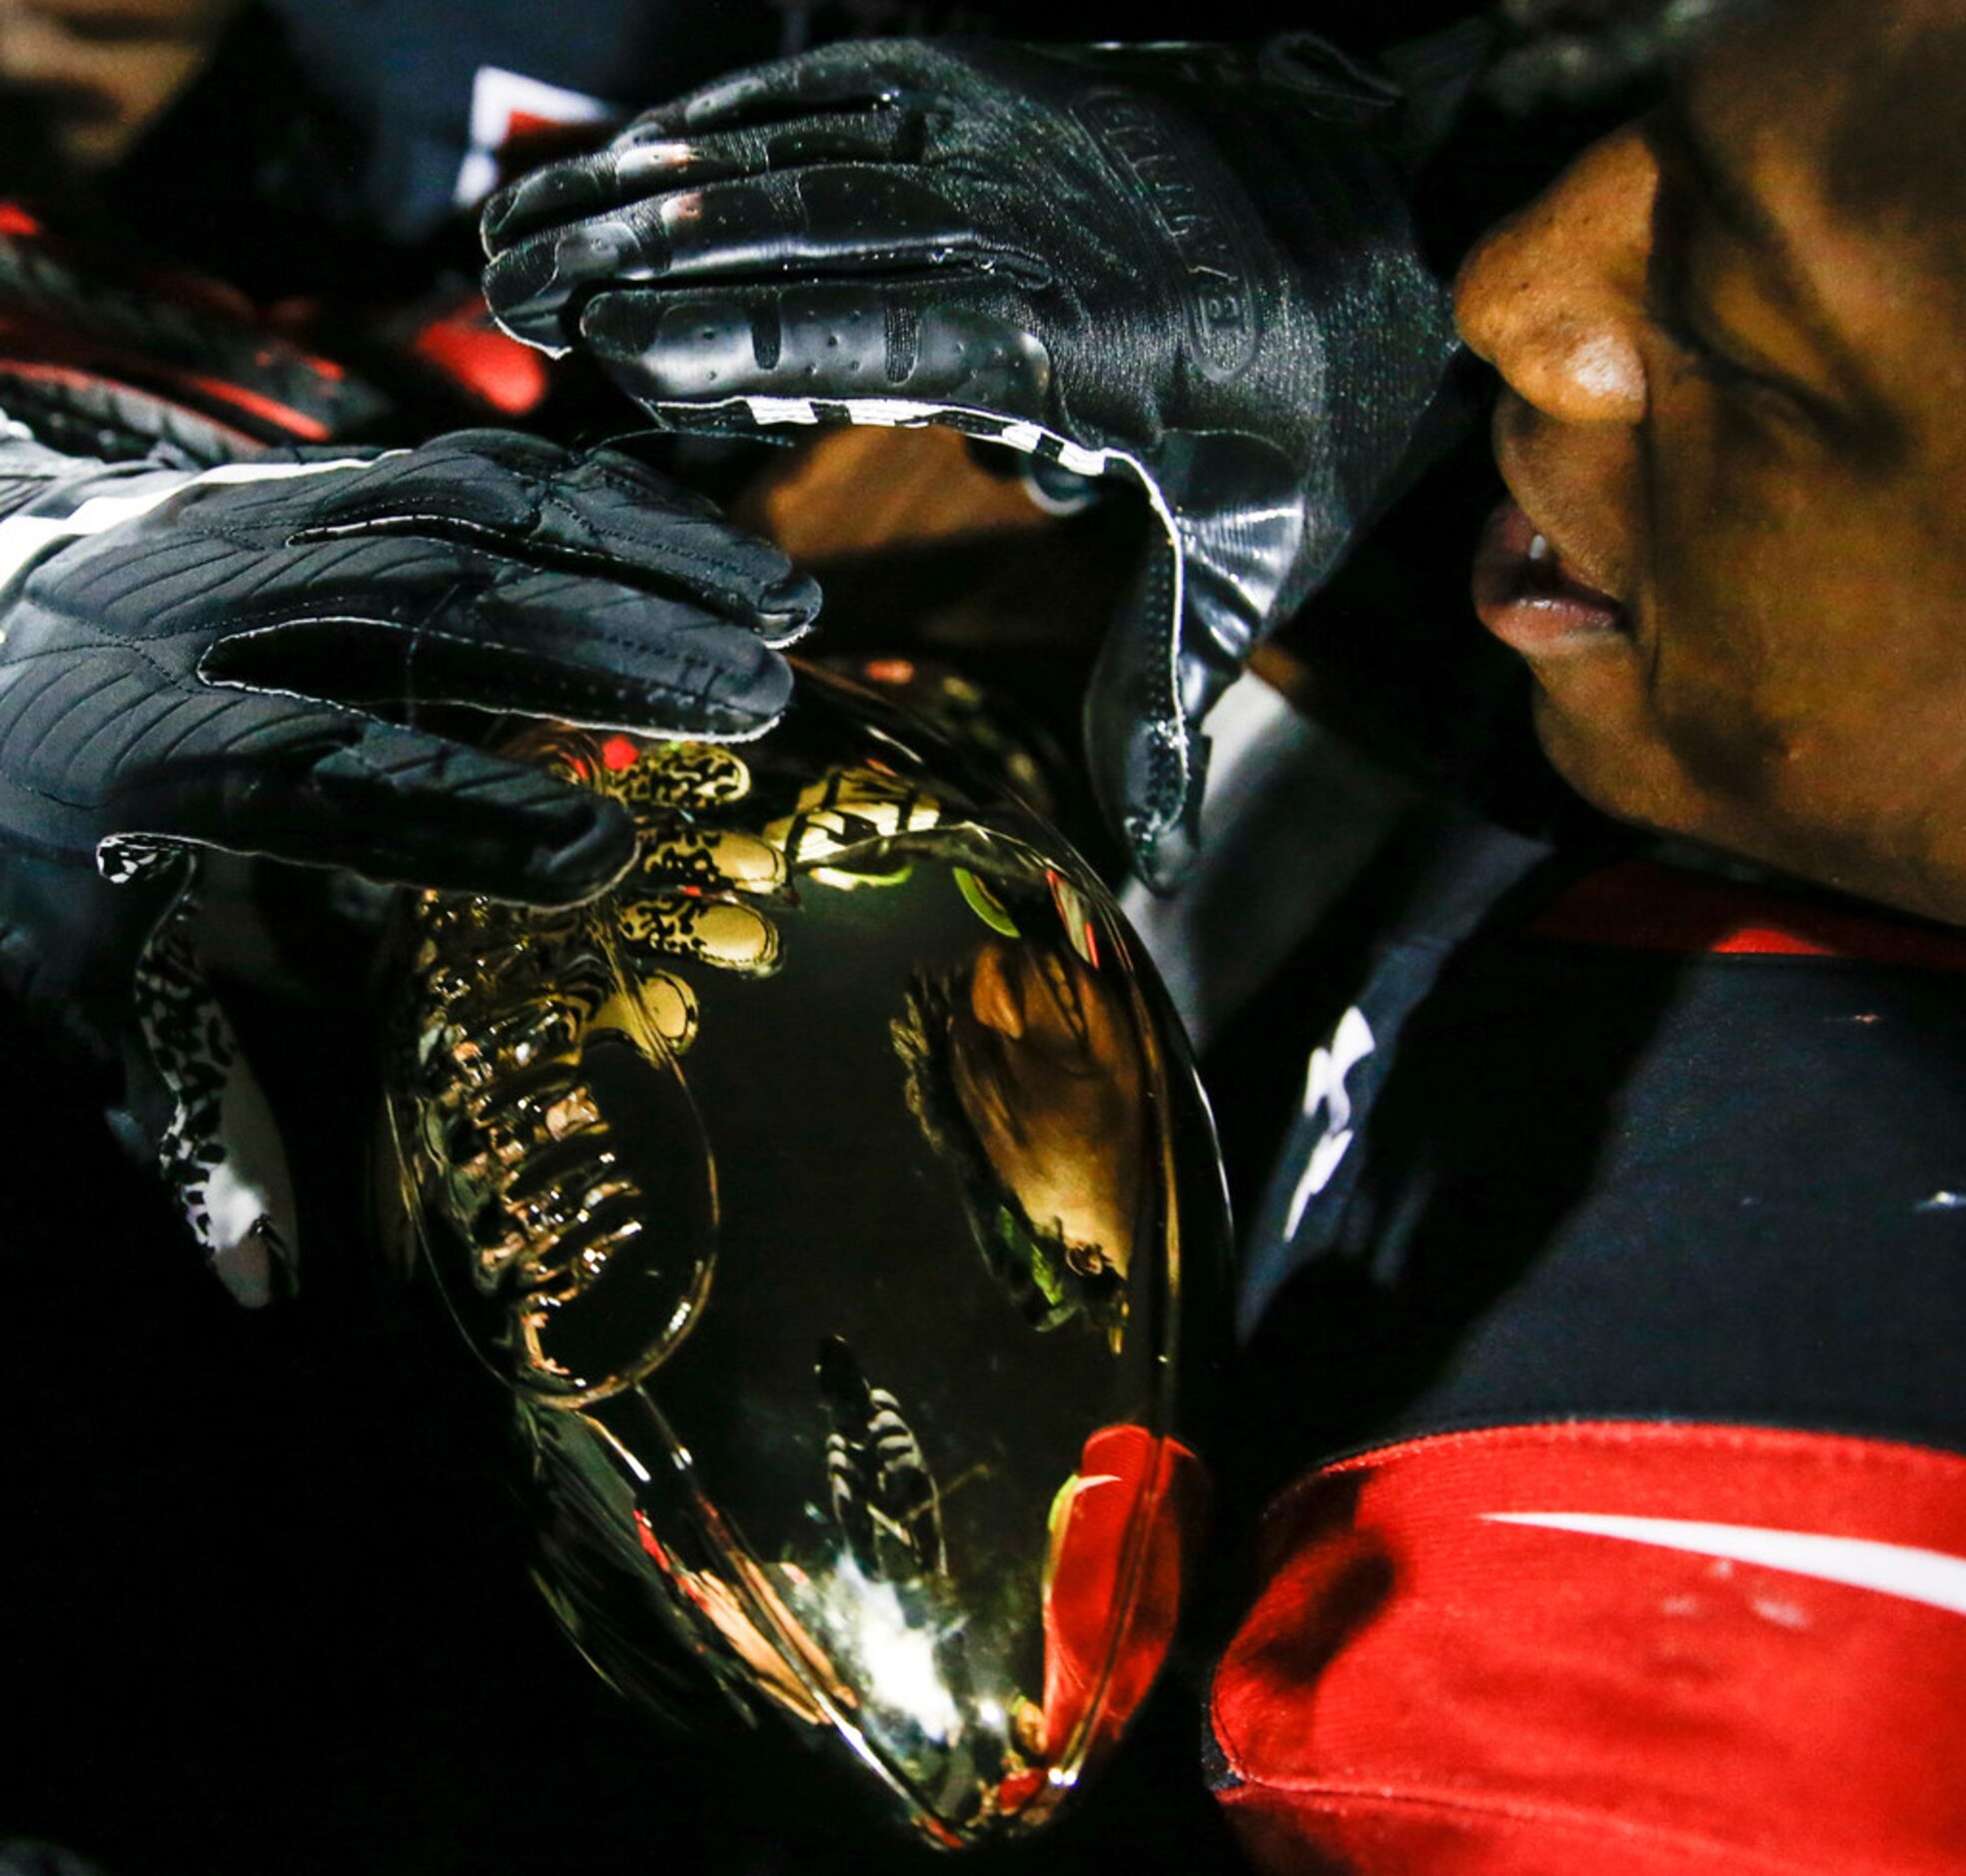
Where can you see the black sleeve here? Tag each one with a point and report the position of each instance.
(1609, 1182)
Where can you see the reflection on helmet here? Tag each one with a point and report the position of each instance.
(1023, 1071)
(834, 1203)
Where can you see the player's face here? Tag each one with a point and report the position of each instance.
(105, 70)
(1043, 1062)
(1734, 429)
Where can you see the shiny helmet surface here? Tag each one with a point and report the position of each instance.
(835, 1205)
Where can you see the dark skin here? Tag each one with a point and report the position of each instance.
(106, 70)
(1734, 412)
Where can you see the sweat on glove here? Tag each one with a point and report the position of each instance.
(234, 658)
(1186, 264)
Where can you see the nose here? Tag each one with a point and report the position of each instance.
(33, 49)
(1555, 298)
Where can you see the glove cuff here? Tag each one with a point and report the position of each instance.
(29, 471)
(47, 499)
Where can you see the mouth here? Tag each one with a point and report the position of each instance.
(1527, 596)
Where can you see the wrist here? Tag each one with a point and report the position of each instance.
(29, 471)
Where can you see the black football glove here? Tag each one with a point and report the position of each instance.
(234, 658)
(197, 660)
(1189, 265)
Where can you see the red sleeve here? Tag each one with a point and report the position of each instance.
(1609, 1648)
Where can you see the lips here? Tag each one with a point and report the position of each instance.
(1527, 596)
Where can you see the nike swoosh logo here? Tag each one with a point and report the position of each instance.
(1893, 1569)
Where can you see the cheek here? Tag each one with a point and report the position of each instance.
(1745, 604)
(1795, 695)
(1795, 687)
(1787, 616)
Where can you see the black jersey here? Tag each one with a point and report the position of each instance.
(1607, 1298)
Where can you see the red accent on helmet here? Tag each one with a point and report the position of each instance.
(1138, 1506)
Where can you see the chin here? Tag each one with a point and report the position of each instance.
(1645, 787)
(1595, 766)
(1623, 776)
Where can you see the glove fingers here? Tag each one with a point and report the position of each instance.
(653, 159)
(470, 486)
(614, 659)
(859, 75)
(619, 517)
(840, 219)
(392, 804)
(535, 643)
(727, 934)
(884, 353)
(601, 512)
(706, 860)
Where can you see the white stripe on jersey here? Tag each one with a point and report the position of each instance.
(1893, 1569)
